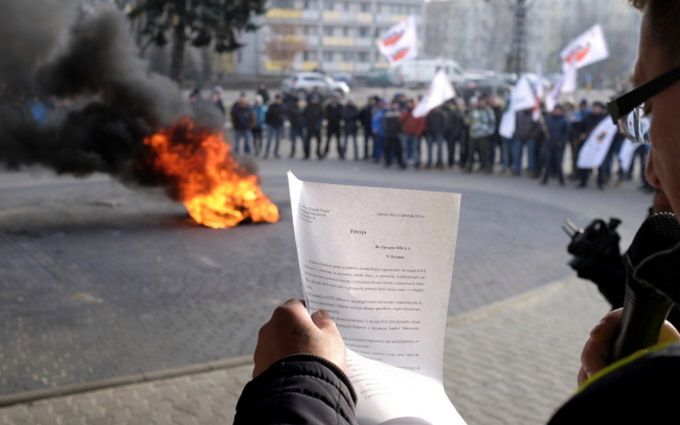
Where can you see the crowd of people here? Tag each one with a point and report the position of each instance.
(463, 132)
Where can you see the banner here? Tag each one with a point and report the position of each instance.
(629, 147)
(569, 78)
(627, 154)
(400, 42)
(595, 148)
(586, 49)
(523, 97)
(439, 92)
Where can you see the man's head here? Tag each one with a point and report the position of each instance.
(660, 52)
(558, 111)
(598, 108)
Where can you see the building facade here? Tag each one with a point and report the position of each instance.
(337, 36)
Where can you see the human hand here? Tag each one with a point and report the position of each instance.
(597, 351)
(291, 330)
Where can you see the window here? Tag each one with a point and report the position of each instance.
(365, 7)
(363, 32)
(347, 56)
(328, 5)
(328, 56)
(345, 32)
(363, 57)
(328, 31)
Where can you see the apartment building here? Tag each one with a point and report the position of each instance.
(337, 36)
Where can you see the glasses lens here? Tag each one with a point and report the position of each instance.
(635, 126)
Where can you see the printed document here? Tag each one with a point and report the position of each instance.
(380, 261)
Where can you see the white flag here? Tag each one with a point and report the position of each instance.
(523, 95)
(400, 42)
(569, 78)
(439, 92)
(587, 48)
(508, 123)
(595, 148)
(627, 154)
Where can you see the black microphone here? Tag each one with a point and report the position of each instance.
(652, 283)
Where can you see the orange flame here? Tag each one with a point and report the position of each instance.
(216, 190)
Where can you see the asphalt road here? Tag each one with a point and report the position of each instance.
(99, 280)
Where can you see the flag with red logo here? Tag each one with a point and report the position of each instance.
(586, 49)
(595, 148)
(400, 42)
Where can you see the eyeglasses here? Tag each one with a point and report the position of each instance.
(628, 112)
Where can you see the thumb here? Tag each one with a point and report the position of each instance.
(322, 319)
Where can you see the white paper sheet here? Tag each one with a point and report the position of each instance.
(381, 262)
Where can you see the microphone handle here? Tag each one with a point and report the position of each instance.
(644, 311)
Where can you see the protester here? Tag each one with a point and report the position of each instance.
(434, 128)
(297, 124)
(412, 129)
(263, 93)
(259, 115)
(482, 126)
(300, 358)
(350, 118)
(216, 99)
(242, 119)
(366, 118)
(525, 131)
(378, 129)
(392, 127)
(275, 119)
(313, 114)
(596, 115)
(553, 148)
(334, 126)
(453, 129)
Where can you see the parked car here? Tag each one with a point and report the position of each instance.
(419, 72)
(381, 78)
(302, 83)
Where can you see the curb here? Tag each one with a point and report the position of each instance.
(72, 389)
(481, 313)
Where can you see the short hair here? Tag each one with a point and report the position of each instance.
(661, 18)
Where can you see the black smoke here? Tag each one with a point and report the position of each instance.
(102, 99)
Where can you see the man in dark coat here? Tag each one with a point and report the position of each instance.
(350, 118)
(434, 128)
(392, 124)
(553, 147)
(313, 114)
(275, 118)
(333, 126)
(366, 118)
(297, 124)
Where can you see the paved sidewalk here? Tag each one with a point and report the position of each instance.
(512, 362)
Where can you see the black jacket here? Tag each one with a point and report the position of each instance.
(305, 389)
(434, 122)
(313, 114)
(334, 116)
(300, 389)
(295, 118)
(350, 115)
(366, 118)
(276, 115)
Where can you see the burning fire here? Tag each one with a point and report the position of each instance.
(216, 190)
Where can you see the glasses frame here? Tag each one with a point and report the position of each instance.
(625, 104)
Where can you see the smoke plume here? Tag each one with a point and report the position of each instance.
(103, 99)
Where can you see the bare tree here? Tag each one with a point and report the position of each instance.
(284, 45)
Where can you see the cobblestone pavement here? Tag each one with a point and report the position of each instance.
(513, 362)
(98, 280)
